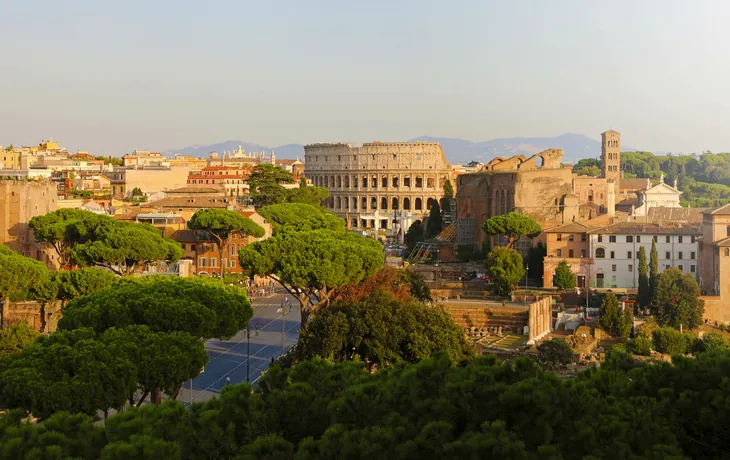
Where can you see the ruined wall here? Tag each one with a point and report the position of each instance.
(42, 318)
(20, 200)
(537, 193)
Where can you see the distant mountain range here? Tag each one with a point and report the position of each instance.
(458, 151)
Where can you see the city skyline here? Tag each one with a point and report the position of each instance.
(112, 78)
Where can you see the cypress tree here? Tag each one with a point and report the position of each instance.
(644, 290)
(653, 271)
(434, 224)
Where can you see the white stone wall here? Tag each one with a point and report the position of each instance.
(622, 271)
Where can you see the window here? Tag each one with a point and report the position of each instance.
(629, 238)
(601, 253)
(667, 267)
(559, 252)
(656, 239)
(571, 237)
(638, 238)
(693, 238)
(583, 237)
(631, 268)
(613, 255)
(192, 247)
(668, 255)
(669, 239)
(728, 230)
(600, 238)
(611, 238)
(692, 268)
(680, 267)
(233, 264)
(692, 255)
(201, 262)
(727, 252)
(680, 255)
(628, 255)
(570, 253)
(582, 252)
(233, 249)
(679, 239)
(213, 262)
(560, 237)
(613, 267)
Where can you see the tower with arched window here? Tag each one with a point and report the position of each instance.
(611, 154)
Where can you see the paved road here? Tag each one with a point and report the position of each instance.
(229, 358)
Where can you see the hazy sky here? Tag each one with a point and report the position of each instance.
(109, 77)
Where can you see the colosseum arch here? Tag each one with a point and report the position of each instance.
(374, 203)
(364, 203)
(384, 203)
(339, 181)
(339, 203)
(407, 204)
(418, 205)
(394, 205)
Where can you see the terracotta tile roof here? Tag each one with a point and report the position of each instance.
(195, 202)
(194, 190)
(572, 227)
(634, 183)
(722, 210)
(681, 215)
(644, 228)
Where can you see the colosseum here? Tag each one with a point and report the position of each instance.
(379, 185)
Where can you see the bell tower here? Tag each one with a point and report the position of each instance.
(611, 154)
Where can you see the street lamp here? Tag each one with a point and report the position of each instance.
(248, 349)
(283, 310)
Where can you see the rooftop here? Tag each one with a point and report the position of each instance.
(631, 228)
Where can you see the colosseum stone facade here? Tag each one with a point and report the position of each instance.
(379, 185)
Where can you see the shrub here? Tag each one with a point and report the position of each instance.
(670, 341)
(642, 344)
(555, 352)
(713, 341)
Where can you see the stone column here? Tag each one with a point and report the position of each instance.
(531, 322)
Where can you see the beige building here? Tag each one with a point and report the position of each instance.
(19, 201)
(150, 179)
(375, 184)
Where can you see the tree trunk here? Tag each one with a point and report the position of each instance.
(43, 317)
(176, 393)
(141, 400)
(156, 396)
(221, 251)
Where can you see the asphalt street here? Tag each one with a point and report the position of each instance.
(230, 358)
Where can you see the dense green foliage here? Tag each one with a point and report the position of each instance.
(554, 353)
(644, 295)
(202, 307)
(14, 338)
(433, 409)
(653, 271)
(300, 217)
(535, 262)
(65, 228)
(84, 372)
(415, 234)
(434, 224)
(671, 341)
(18, 274)
(677, 300)
(312, 264)
(122, 247)
(703, 179)
(221, 225)
(266, 188)
(512, 225)
(614, 321)
(504, 266)
(564, 278)
(381, 330)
